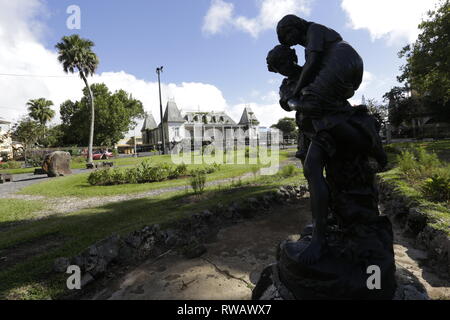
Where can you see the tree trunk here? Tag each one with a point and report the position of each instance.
(91, 132)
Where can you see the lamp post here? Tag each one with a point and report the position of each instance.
(158, 71)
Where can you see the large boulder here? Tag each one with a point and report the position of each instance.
(57, 164)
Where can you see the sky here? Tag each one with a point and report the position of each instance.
(213, 51)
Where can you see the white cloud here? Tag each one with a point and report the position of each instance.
(22, 53)
(221, 15)
(390, 19)
(218, 17)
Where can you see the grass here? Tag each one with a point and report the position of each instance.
(31, 278)
(438, 212)
(440, 147)
(82, 165)
(78, 186)
(12, 210)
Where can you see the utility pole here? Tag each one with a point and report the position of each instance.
(158, 71)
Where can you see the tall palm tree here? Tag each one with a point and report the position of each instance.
(75, 53)
(39, 110)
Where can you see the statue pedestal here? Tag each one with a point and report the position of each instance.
(345, 271)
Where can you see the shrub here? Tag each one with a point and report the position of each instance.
(408, 164)
(179, 171)
(99, 177)
(417, 164)
(288, 171)
(198, 181)
(11, 165)
(437, 188)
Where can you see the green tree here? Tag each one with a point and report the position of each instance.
(115, 115)
(54, 137)
(288, 126)
(28, 132)
(75, 53)
(39, 110)
(378, 111)
(426, 71)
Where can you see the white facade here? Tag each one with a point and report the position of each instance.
(5, 139)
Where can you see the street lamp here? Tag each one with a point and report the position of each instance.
(158, 71)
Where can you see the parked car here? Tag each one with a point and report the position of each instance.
(102, 155)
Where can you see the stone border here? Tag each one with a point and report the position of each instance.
(187, 235)
(407, 214)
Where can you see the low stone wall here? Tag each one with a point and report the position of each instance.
(188, 235)
(407, 214)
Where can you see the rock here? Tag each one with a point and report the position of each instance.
(60, 265)
(108, 249)
(416, 222)
(57, 164)
(171, 238)
(134, 240)
(411, 293)
(194, 251)
(86, 279)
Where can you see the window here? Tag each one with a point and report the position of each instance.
(177, 132)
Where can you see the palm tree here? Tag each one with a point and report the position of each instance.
(75, 53)
(39, 110)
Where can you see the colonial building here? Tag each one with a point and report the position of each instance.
(6, 149)
(179, 126)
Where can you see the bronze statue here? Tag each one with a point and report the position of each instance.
(340, 139)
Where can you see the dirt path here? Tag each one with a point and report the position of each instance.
(232, 264)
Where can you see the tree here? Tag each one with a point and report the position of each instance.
(288, 126)
(115, 115)
(54, 137)
(75, 53)
(426, 71)
(28, 132)
(39, 110)
(378, 111)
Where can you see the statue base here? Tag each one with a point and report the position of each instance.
(356, 266)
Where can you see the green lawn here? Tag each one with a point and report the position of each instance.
(77, 185)
(12, 210)
(30, 277)
(438, 212)
(440, 147)
(81, 165)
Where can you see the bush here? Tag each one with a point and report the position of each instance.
(288, 171)
(10, 165)
(417, 164)
(99, 177)
(437, 188)
(198, 181)
(145, 172)
(179, 171)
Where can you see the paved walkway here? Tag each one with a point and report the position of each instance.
(24, 180)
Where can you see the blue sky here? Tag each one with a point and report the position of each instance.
(212, 51)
